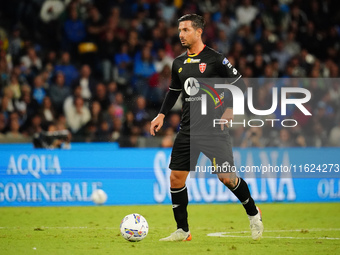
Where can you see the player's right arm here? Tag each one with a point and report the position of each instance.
(170, 99)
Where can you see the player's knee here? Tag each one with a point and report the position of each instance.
(176, 180)
(229, 182)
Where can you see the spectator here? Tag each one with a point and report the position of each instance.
(319, 136)
(210, 28)
(103, 133)
(290, 45)
(123, 63)
(309, 39)
(168, 11)
(31, 60)
(51, 58)
(284, 139)
(140, 113)
(119, 101)
(334, 137)
(143, 69)
(223, 43)
(228, 25)
(258, 65)
(97, 115)
(297, 19)
(69, 71)
(14, 86)
(114, 112)
(157, 39)
(13, 132)
(59, 92)
(34, 126)
(108, 47)
(281, 55)
(74, 30)
(7, 102)
(274, 19)
(112, 89)
(15, 42)
(116, 129)
(19, 72)
(30, 105)
(246, 13)
(253, 138)
(94, 24)
(101, 96)
(174, 121)
(38, 89)
(159, 84)
(128, 124)
(78, 116)
(4, 73)
(2, 126)
(86, 82)
(162, 60)
(47, 111)
(47, 76)
(69, 101)
(334, 93)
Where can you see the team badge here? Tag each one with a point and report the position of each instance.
(202, 67)
(225, 61)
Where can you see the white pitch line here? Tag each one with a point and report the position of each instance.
(43, 227)
(283, 237)
(277, 231)
(232, 234)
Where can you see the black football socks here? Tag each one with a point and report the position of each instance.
(180, 201)
(241, 191)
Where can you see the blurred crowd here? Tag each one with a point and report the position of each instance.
(101, 68)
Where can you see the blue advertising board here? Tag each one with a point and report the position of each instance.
(38, 177)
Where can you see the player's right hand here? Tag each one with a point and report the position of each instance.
(157, 123)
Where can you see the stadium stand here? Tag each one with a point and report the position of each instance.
(101, 68)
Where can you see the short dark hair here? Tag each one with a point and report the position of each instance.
(197, 21)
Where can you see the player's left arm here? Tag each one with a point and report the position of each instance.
(225, 69)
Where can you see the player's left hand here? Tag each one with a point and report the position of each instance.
(156, 124)
(227, 115)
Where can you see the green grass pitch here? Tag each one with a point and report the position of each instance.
(289, 229)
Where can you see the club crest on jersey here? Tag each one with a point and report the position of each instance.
(202, 67)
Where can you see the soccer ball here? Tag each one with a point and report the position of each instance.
(99, 196)
(134, 227)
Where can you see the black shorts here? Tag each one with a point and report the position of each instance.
(187, 149)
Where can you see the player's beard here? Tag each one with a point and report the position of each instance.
(186, 45)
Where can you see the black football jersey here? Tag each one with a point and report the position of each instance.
(195, 75)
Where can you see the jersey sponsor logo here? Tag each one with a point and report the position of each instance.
(202, 67)
(191, 86)
(229, 65)
(234, 71)
(225, 61)
(180, 69)
(191, 61)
